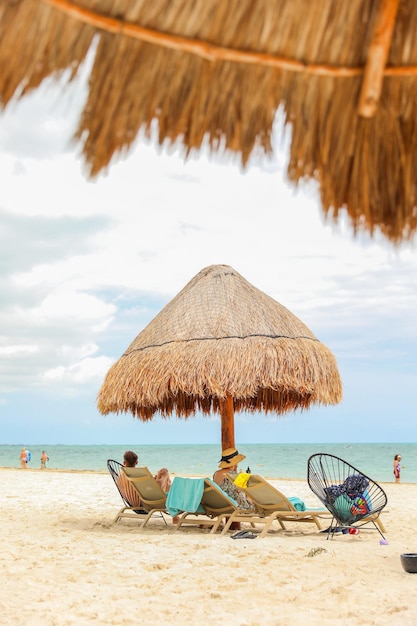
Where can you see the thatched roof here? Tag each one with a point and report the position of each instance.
(219, 337)
(345, 74)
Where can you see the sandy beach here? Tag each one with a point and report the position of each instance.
(63, 562)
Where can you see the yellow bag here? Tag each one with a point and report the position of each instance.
(241, 480)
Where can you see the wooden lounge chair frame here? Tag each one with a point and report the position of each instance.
(152, 496)
(271, 505)
(217, 506)
(327, 472)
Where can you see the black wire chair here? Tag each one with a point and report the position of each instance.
(352, 498)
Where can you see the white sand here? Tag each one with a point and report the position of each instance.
(63, 562)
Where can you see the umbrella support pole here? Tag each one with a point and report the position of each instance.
(227, 423)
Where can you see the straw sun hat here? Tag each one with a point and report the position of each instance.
(230, 458)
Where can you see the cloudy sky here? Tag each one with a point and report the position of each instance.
(85, 265)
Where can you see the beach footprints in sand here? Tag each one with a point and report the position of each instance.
(315, 551)
(156, 566)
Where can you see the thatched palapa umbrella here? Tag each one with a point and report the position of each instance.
(221, 345)
(216, 72)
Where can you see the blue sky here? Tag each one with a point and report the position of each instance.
(85, 265)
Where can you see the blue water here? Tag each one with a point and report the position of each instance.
(270, 460)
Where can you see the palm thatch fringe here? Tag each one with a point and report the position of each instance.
(253, 56)
(219, 337)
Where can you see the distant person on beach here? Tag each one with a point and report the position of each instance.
(44, 459)
(23, 458)
(397, 467)
(228, 465)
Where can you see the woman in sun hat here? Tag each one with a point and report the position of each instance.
(228, 465)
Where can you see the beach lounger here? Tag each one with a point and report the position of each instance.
(115, 468)
(213, 506)
(152, 496)
(352, 498)
(271, 505)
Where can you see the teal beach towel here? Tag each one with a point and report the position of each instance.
(185, 496)
(297, 503)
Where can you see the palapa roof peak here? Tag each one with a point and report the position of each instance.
(221, 337)
(216, 72)
(218, 303)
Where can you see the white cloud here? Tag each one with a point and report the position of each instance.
(86, 371)
(10, 350)
(68, 305)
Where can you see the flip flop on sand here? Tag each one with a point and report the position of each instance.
(244, 534)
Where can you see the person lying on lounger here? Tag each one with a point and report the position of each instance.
(130, 459)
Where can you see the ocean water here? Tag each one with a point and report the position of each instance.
(269, 460)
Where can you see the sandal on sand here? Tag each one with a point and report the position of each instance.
(244, 534)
